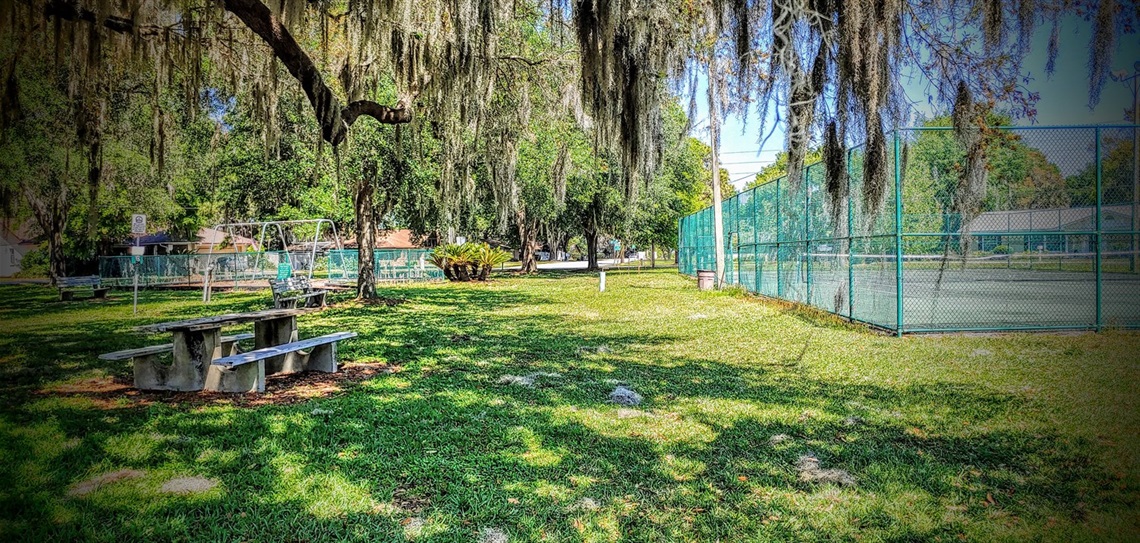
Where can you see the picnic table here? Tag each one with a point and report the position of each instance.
(198, 343)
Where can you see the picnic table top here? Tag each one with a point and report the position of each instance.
(218, 321)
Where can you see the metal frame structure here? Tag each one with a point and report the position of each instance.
(264, 225)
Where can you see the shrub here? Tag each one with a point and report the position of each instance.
(469, 261)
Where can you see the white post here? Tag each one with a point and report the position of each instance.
(602, 281)
(714, 140)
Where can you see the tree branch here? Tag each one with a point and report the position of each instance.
(334, 119)
(70, 10)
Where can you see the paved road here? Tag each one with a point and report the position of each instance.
(577, 264)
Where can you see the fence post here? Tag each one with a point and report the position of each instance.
(779, 229)
(1099, 278)
(850, 245)
(898, 240)
(807, 231)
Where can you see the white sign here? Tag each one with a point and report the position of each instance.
(460, 240)
(138, 224)
(138, 251)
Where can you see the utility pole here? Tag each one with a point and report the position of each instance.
(1133, 81)
(714, 140)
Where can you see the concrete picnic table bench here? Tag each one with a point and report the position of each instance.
(203, 359)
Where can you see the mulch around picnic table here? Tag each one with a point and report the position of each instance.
(284, 389)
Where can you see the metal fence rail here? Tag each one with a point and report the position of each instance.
(390, 265)
(1053, 243)
(190, 269)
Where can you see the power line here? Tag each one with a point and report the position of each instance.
(748, 162)
(758, 151)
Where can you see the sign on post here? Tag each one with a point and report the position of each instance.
(138, 224)
(138, 228)
(284, 271)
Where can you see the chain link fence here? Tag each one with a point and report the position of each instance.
(1051, 244)
(189, 270)
(391, 265)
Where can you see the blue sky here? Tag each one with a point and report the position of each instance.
(1064, 99)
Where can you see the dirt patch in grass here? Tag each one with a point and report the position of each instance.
(405, 498)
(188, 485)
(287, 389)
(90, 485)
(492, 535)
(811, 472)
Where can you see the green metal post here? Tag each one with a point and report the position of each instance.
(779, 228)
(850, 246)
(807, 234)
(898, 241)
(1099, 285)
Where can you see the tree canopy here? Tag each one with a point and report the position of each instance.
(455, 89)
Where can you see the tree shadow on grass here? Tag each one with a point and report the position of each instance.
(465, 452)
(443, 441)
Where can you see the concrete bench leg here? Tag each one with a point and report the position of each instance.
(230, 348)
(193, 352)
(66, 295)
(150, 373)
(100, 293)
(322, 358)
(270, 332)
(244, 378)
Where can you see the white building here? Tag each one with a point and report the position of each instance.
(13, 246)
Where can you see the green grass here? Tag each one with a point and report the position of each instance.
(1001, 437)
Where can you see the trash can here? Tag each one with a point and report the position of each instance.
(705, 279)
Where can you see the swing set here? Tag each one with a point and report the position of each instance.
(282, 249)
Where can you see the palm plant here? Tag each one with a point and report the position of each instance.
(442, 260)
(487, 258)
(467, 262)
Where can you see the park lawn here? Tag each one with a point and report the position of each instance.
(1003, 437)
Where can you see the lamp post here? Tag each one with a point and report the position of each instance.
(1133, 82)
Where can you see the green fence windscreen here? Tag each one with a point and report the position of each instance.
(390, 265)
(1051, 244)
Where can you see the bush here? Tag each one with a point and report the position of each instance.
(34, 264)
(469, 261)
(1001, 250)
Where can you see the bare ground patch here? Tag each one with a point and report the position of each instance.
(119, 392)
(95, 483)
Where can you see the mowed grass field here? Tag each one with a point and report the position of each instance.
(1014, 437)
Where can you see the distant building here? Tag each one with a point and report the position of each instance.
(1000, 228)
(161, 243)
(14, 244)
(390, 239)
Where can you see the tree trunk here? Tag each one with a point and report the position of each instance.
(592, 250)
(528, 236)
(50, 208)
(365, 241)
(94, 181)
(57, 261)
(653, 254)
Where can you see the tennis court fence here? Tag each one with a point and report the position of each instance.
(1053, 245)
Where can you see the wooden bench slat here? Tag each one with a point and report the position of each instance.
(278, 350)
(77, 281)
(159, 349)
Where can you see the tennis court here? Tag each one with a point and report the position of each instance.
(1059, 253)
